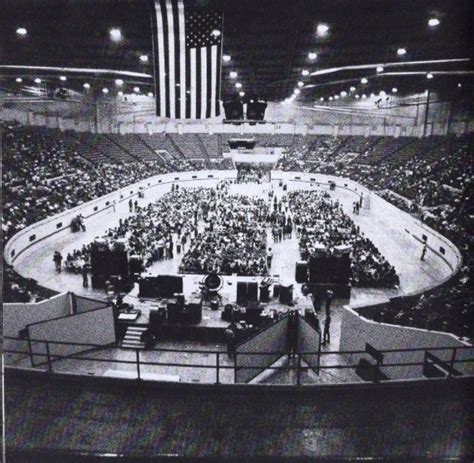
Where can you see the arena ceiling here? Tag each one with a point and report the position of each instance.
(268, 42)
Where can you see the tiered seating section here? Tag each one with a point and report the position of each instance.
(46, 171)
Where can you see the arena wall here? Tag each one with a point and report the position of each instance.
(357, 330)
(95, 327)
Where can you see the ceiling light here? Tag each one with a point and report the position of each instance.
(296, 91)
(136, 89)
(120, 93)
(105, 91)
(241, 93)
(115, 34)
(238, 85)
(87, 86)
(21, 31)
(226, 58)
(394, 90)
(305, 72)
(364, 96)
(62, 78)
(331, 98)
(356, 96)
(19, 80)
(433, 22)
(401, 51)
(150, 94)
(118, 82)
(379, 69)
(144, 58)
(322, 30)
(352, 89)
(382, 93)
(300, 84)
(429, 75)
(372, 95)
(364, 80)
(459, 85)
(233, 74)
(37, 80)
(216, 33)
(321, 99)
(312, 55)
(336, 97)
(343, 93)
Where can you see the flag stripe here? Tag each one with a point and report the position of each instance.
(161, 60)
(156, 74)
(204, 84)
(182, 60)
(212, 106)
(171, 59)
(193, 83)
(165, 56)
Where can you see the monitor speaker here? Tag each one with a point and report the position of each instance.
(286, 294)
(242, 293)
(252, 291)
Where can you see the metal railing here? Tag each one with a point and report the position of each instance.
(43, 354)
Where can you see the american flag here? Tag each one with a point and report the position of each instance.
(187, 59)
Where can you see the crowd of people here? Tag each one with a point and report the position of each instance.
(234, 240)
(321, 222)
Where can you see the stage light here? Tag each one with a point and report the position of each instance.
(296, 91)
(394, 90)
(144, 58)
(356, 96)
(305, 72)
(364, 96)
(364, 80)
(19, 80)
(401, 51)
(336, 97)
(433, 22)
(37, 80)
(62, 78)
(150, 94)
(321, 99)
(105, 91)
(216, 33)
(459, 85)
(312, 55)
(238, 85)
(343, 93)
(118, 82)
(352, 89)
(120, 93)
(136, 89)
(241, 94)
(379, 69)
(21, 31)
(429, 75)
(226, 58)
(115, 34)
(233, 74)
(322, 30)
(331, 98)
(300, 84)
(87, 86)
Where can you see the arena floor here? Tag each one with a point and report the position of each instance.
(400, 249)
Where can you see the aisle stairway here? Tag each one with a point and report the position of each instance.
(132, 338)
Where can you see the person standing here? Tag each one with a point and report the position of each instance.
(292, 333)
(130, 205)
(229, 335)
(269, 258)
(423, 252)
(329, 295)
(57, 258)
(85, 281)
